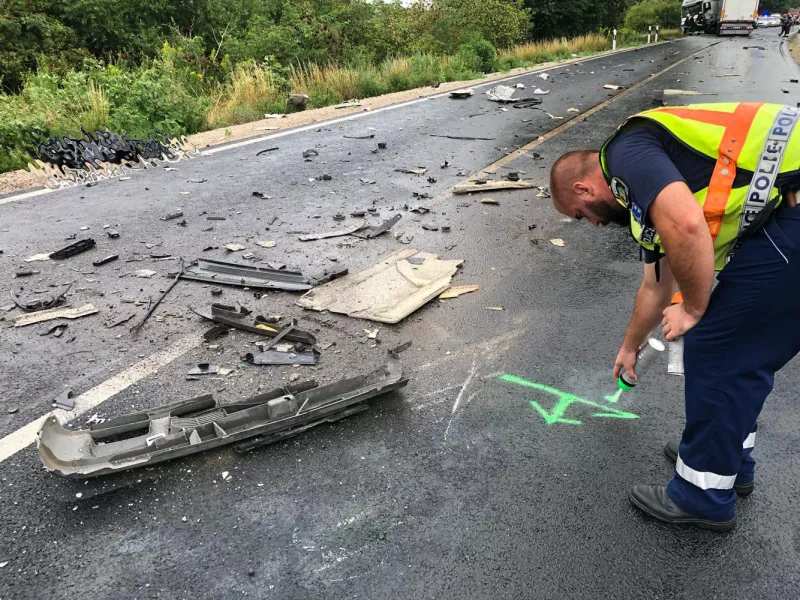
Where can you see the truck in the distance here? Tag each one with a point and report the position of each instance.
(720, 17)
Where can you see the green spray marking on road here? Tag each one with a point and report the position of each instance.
(565, 400)
(615, 397)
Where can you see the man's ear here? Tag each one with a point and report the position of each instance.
(581, 188)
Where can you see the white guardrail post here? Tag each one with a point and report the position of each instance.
(614, 41)
(649, 32)
(657, 26)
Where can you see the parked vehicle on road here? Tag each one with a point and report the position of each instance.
(721, 17)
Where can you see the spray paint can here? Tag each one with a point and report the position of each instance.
(675, 357)
(647, 355)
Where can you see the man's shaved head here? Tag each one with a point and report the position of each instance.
(569, 168)
(579, 189)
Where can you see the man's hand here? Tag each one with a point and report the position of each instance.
(627, 359)
(677, 322)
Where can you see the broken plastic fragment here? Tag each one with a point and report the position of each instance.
(557, 242)
(234, 247)
(268, 244)
(144, 273)
(457, 290)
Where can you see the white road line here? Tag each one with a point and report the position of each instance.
(25, 436)
(362, 114)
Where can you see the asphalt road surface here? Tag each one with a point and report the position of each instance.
(472, 482)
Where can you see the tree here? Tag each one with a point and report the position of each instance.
(28, 34)
(666, 13)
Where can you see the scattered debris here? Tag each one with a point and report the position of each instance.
(497, 308)
(275, 357)
(200, 424)
(53, 313)
(241, 319)
(153, 307)
(56, 330)
(298, 100)
(37, 305)
(520, 86)
(381, 145)
(372, 333)
(513, 176)
(457, 290)
(214, 333)
(144, 273)
(215, 218)
(174, 215)
(120, 321)
(540, 91)
(106, 260)
(359, 137)
(544, 76)
(204, 369)
(368, 181)
(37, 257)
(428, 227)
(395, 352)
(490, 201)
(274, 116)
(219, 272)
(73, 249)
(267, 244)
(460, 94)
(610, 86)
(113, 234)
(388, 291)
(491, 186)
(573, 110)
(348, 104)
(262, 195)
(501, 93)
(197, 180)
(260, 152)
(444, 165)
(309, 153)
(554, 117)
(544, 191)
(459, 137)
(416, 171)
(331, 234)
(64, 400)
(784, 90)
(368, 232)
(339, 217)
(25, 273)
(557, 242)
(234, 247)
(10, 410)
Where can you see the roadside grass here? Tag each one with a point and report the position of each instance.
(167, 96)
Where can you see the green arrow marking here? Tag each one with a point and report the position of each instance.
(565, 400)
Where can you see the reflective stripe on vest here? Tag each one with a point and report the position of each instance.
(734, 135)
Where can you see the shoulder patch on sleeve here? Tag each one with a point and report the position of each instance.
(621, 191)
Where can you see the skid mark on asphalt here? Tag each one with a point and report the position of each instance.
(26, 435)
(464, 387)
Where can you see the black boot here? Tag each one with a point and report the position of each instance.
(741, 489)
(653, 500)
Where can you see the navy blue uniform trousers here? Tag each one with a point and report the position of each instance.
(750, 330)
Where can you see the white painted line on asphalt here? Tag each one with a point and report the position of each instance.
(25, 195)
(362, 114)
(317, 125)
(26, 435)
(359, 115)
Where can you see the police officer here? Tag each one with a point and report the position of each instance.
(704, 188)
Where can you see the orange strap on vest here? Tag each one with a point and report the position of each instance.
(737, 127)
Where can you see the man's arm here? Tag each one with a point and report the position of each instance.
(687, 242)
(651, 300)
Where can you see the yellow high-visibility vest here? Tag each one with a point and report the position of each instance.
(740, 137)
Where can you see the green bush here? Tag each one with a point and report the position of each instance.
(665, 13)
(482, 53)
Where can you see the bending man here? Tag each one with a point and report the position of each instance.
(704, 188)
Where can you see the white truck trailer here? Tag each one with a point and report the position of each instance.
(720, 17)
